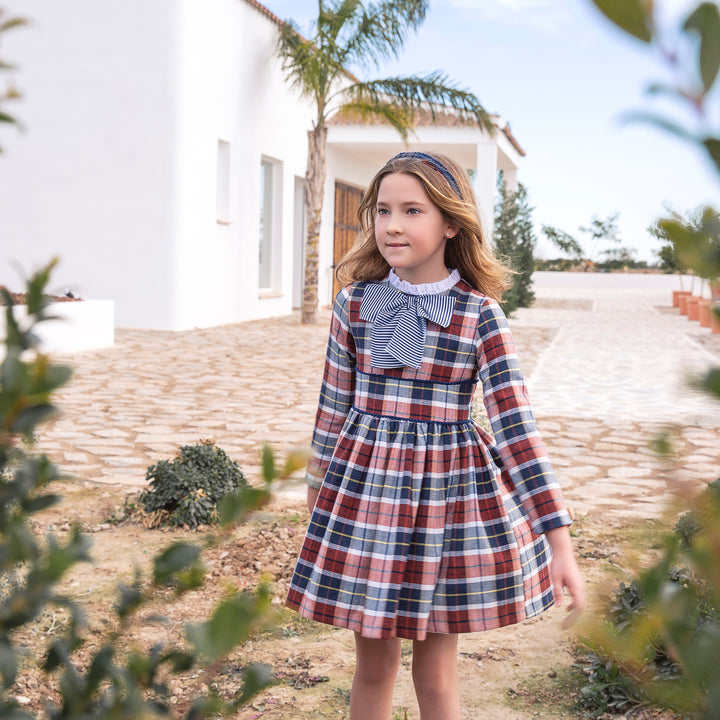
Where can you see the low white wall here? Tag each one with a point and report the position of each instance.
(81, 325)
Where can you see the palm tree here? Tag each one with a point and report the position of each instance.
(350, 33)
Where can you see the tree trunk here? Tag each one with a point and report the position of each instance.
(315, 189)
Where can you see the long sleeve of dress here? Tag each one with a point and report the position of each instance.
(336, 393)
(520, 446)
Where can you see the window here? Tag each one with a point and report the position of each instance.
(223, 182)
(270, 225)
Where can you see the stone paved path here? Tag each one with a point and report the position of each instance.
(606, 371)
(616, 354)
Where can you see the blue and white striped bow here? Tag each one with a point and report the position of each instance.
(397, 336)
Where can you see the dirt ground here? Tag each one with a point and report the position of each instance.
(523, 672)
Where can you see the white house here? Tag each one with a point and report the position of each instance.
(164, 160)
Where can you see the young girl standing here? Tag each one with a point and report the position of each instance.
(423, 525)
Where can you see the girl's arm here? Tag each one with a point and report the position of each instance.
(523, 453)
(312, 496)
(336, 396)
(564, 571)
(519, 444)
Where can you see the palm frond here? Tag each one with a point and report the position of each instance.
(432, 93)
(364, 112)
(307, 67)
(381, 30)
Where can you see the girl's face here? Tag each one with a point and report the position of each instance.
(410, 231)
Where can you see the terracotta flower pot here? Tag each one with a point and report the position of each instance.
(676, 297)
(704, 312)
(692, 307)
(682, 301)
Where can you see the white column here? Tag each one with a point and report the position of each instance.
(485, 177)
(511, 179)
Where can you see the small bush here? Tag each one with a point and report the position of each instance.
(112, 677)
(608, 688)
(690, 523)
(657, 670)
(187, 489)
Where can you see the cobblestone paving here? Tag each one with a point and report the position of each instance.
(607, 372)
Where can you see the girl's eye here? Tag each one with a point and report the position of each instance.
(382, 211)
(413, 211)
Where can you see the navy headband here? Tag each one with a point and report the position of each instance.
(435, 164)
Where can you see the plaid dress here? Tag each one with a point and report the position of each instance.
(424, 522)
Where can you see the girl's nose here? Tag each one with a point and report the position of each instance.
(393, 227)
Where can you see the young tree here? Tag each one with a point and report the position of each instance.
(352, 33)
(667, 254)
(601, 230)
(514, 238)
(564, 242)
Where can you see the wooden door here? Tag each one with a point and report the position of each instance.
(347, 200)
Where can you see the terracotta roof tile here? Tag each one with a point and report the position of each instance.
(425, 119)
(265, 11)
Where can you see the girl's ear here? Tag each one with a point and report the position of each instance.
(451, 231)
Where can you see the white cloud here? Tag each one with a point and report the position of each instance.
(544, 15)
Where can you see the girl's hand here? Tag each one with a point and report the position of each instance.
(565, 573)
(312, 496)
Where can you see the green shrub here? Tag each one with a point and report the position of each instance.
(187, 489)
(111, 678)
(658, 641)
(514, 240)
(690, 523)
(608, 688)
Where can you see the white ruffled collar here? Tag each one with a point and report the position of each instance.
(424, 288)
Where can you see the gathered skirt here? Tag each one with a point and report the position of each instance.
(418, 529)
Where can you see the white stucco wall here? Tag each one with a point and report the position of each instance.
(92, 179)
(233, 89)
(117, 174)
(125, 103)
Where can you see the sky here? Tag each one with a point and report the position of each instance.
(565, 79)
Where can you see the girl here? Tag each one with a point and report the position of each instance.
(424, 526)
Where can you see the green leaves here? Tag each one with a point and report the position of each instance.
(187, 490)
(705, 21)
(632, 16)
(8, 662)
(563, 241)
(380, 31)
(230, 624)
(234, 508)
(12, 23)
(349, 34)
(636, 18)
(403, 101)
(712, 145)
(179, 565)
(109, 681)
(696, 242)
(514, 240)
(8, 23)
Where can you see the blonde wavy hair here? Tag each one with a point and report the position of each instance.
(468, 251)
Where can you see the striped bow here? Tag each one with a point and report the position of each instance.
(397, 336)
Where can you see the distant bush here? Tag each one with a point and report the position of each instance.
(187, 489)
